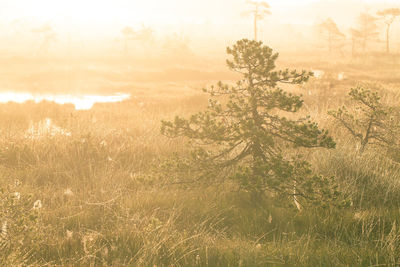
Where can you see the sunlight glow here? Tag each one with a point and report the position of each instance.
(96, 17)
(84, 102)
(45, 128)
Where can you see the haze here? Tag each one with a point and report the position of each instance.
(174, 133)
(200, 21)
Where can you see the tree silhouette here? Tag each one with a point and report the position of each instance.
(145, 34)
(371, 121)
(366, 31)
(248, 133)
(128, 34)
(333, 34)
(354, 37)
(389, 16)
(259, 10)
(48, 37)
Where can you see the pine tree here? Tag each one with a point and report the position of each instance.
(370, 122)
(389, 15)
(333, 34)
(247, 135)
(260, 9)
(366, 30)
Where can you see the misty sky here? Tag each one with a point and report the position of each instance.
(211, 18)
(70, 13)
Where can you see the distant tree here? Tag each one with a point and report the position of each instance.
(354, 38)
(366, 30)
(19, 25)
(332, 32)
(370, 121)
(177, 46)
(389, 16)
(128, 34)
(145, 35)
(247, 136)
(48, 37)
(259, 10)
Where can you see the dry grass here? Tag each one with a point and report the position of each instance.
(103, 205)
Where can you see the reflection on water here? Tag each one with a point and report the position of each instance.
(81, 102)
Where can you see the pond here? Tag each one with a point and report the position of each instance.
(81, 102)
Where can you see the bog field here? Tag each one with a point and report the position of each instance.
(103, 187)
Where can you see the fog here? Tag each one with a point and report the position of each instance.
(75, 47)
(199, 133)
(91, 27)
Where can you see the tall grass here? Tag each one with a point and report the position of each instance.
(102, 205)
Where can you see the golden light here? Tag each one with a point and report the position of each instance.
(88, 10)
(92, 13)
(81, 102)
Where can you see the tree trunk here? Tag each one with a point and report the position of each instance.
(126, 47)
(255, 25)
(364, 44)
(387, 39)
(257, 153)
(363, 145)
(365, 140)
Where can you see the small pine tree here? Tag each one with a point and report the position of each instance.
(370, 122)
(248, 135)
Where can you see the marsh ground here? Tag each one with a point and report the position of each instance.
(104, 202)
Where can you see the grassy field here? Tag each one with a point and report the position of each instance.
(84, 188)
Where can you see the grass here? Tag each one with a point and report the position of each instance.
(104, 206)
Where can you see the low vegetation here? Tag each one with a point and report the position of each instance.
(109, 189)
